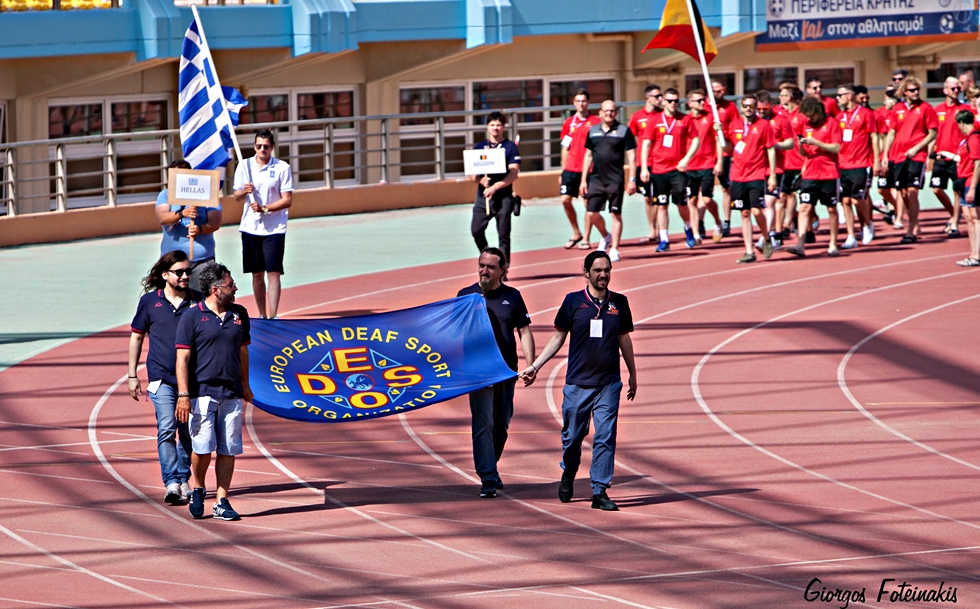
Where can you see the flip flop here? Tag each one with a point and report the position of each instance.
(585, 245)
(969, 262)
(645, 240)
(909, 239)
(572, 243)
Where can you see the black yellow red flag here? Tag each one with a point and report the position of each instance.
(677, 32)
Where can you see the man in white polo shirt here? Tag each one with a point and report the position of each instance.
(267, 184)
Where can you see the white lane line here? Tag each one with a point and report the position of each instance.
(20, 473)
(696, 389)
(97, 449)
(333, 456)
(50, 446)
(279, 465)
(842, 383)
(79, 568)
(79, 507)
(33, 603)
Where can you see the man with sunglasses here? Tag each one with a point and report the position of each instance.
(785, 139)
(948, 139)
(883, 117)
(914, 127)
(705, 165)
(814, 87)
(265, 185)
(212, 383)
(790, 97)
(727, 112)
(668, 145)
(752, 144)
(639, 120)
(165, 300)
(859, 149)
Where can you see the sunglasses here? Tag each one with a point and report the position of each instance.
(911, 89)
(843, 94)
(749, 106)
(180, 272)
(263, 146)
(671, 101)
(898, 78)
(696, 101)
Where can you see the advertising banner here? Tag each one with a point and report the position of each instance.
(822, 24)
(370, 366)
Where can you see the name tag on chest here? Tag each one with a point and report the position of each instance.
(668, 140)
(740, 147)
(848, 135)
(595, 328)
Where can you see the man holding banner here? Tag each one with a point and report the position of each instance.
(492, 407)
(600, 323)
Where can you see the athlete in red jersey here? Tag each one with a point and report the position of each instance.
(859, 149)
(883, 117)
(652, 107)
(573, 134)
(668, 145)
(819, 143)
(705, 166)
(790, 97)
(914, 128)
(967, 160)
(727, 111)
(814, 87)
(785, 140)
(751, 143)
(948, 139)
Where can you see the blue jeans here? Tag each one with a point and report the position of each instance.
(492, 408)
(580, 404)
(175, 457)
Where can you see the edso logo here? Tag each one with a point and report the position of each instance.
(372, 378)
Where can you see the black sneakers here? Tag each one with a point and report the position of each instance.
(223, 511)
(488, 490)
(196, 504)
(566, 488)
(603, 502)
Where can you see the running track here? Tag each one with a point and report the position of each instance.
(795, 419)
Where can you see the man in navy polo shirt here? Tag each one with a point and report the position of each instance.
(166, 299)
(212, 382)
(492, 407)
(600, 323)
(495, 192)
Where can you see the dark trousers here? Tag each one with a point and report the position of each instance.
(492, 408)
(500, 210)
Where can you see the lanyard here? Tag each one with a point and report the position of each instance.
(848, 121)
(669, 128)
(597, 306)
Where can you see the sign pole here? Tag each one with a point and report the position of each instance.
(704, 72)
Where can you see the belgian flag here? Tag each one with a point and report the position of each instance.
(676, 31)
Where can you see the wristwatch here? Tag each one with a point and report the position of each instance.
(264, 209)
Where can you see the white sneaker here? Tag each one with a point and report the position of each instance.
(840, 215)
(613, 255)
(850, 243)
(898, 225)
(867, 235)
(604, 243)
(185, 491)
(172, 495)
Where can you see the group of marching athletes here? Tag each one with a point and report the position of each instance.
(776, 161)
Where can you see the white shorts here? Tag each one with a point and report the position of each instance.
(216, 425)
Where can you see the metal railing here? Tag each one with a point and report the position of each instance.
(109, 170)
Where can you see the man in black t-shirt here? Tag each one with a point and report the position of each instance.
(495, 192)
(492, 407)
(608, 146)
(600, 323)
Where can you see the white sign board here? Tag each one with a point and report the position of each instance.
(484, 161)
(193, 187)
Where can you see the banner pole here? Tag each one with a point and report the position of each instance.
(704, 72)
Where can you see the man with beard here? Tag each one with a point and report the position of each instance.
(492, 407)
(859, 149)
(638, 125)
(166, 299)
(600, 323)
(212, 385)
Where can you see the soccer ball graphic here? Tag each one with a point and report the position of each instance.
(359, 382)
(776, 7)
(946, 23)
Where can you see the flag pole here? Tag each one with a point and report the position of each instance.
(224, 109)
(704, 71)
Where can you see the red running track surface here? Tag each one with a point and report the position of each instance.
(796, 419)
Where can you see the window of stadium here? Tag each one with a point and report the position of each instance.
(754, 79)
(75, 120)
(695, 80)
(265, 109)
(953, 68)
(561, 92)
(830, 78)
(139, 116)
(432, 99)
(500, 94)
(329, 104)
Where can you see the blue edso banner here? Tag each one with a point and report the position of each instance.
(821, 24)
(370, 366)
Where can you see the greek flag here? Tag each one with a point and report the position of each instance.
(208, 114)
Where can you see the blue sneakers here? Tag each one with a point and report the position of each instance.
(664, 246)
(196, 504)
(689, 237)
(223, 511)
